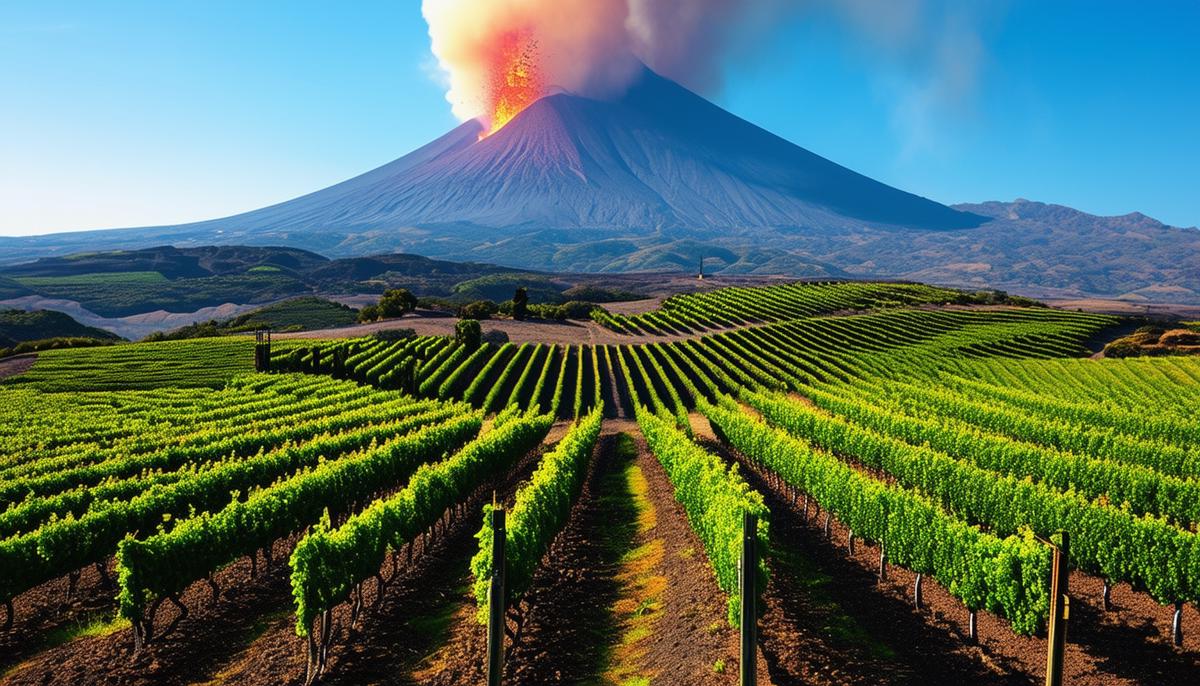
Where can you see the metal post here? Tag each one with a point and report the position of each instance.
(748, 573)
(1060, 608)
(495, 639)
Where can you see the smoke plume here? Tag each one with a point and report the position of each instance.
(592, 47)
(501, 55)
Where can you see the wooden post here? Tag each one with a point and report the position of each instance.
(1060, 606)
(748, 576)
(1177, 625)
(262, 350)
(495, 639)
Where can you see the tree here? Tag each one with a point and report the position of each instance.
(520, 303)
(480, 309)
(396, 303)
(468, 333)
(369, 313)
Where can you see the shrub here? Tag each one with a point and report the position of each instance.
(393, 303)
(1180, 337)
(480, 309)
(1122, 347)
(393, 334)
(468, 333)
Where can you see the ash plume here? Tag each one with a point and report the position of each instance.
(590, 47)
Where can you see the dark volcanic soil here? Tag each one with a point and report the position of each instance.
(830, 620)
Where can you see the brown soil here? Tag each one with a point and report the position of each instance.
(428, 323)
(248, 637)
(831, 620)
(20, 364)
(578, 621)
(185, 655)
(425, 324)
(694, 632)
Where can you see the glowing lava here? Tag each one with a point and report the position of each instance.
(515, 80)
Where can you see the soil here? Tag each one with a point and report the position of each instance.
(625, 593)
(571, 332)
(11, 366)
(584, 623)
(831, 620)
(248, 636)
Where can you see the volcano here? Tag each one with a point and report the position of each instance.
(660, 157)
(657, 159)
(657, 179)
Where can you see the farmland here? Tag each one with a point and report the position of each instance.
(907, 458)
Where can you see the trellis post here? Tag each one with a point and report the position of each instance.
(748, 578)
(1060, 609)
(495, 637)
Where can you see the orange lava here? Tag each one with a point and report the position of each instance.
(515, 80)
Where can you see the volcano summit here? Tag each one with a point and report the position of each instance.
(654, 179)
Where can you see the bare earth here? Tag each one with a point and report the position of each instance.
(565, 333)
(16, 365)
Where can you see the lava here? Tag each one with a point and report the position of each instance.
(515, 80)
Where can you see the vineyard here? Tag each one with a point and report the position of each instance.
(801, 483)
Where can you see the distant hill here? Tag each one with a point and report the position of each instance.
(114, 284)
(19, 326)
(297, 314)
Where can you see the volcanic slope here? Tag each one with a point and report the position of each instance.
(657, 158)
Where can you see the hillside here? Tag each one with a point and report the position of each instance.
(298, 314)
(18, 326)
(124, 283)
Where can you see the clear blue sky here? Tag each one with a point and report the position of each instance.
(148, 112)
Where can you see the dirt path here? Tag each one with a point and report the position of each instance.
(625, 593)
(11, 366)
(671, 616)
(572, 332)
(831, 620)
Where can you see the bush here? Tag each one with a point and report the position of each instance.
(480, 309)
(53, 344)
(393, 334)
(598, 294)
(579, 309)
(369, 313)
(393, 303)
(1122, 347)
(208, 329)
(1180, 337)
(468, 333)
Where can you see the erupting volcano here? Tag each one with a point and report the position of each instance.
(515, 82)
(655, 160)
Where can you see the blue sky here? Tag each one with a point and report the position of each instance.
(139, 113)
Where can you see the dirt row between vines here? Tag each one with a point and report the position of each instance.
(626, 592)
(823, 601)
(248, 636)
